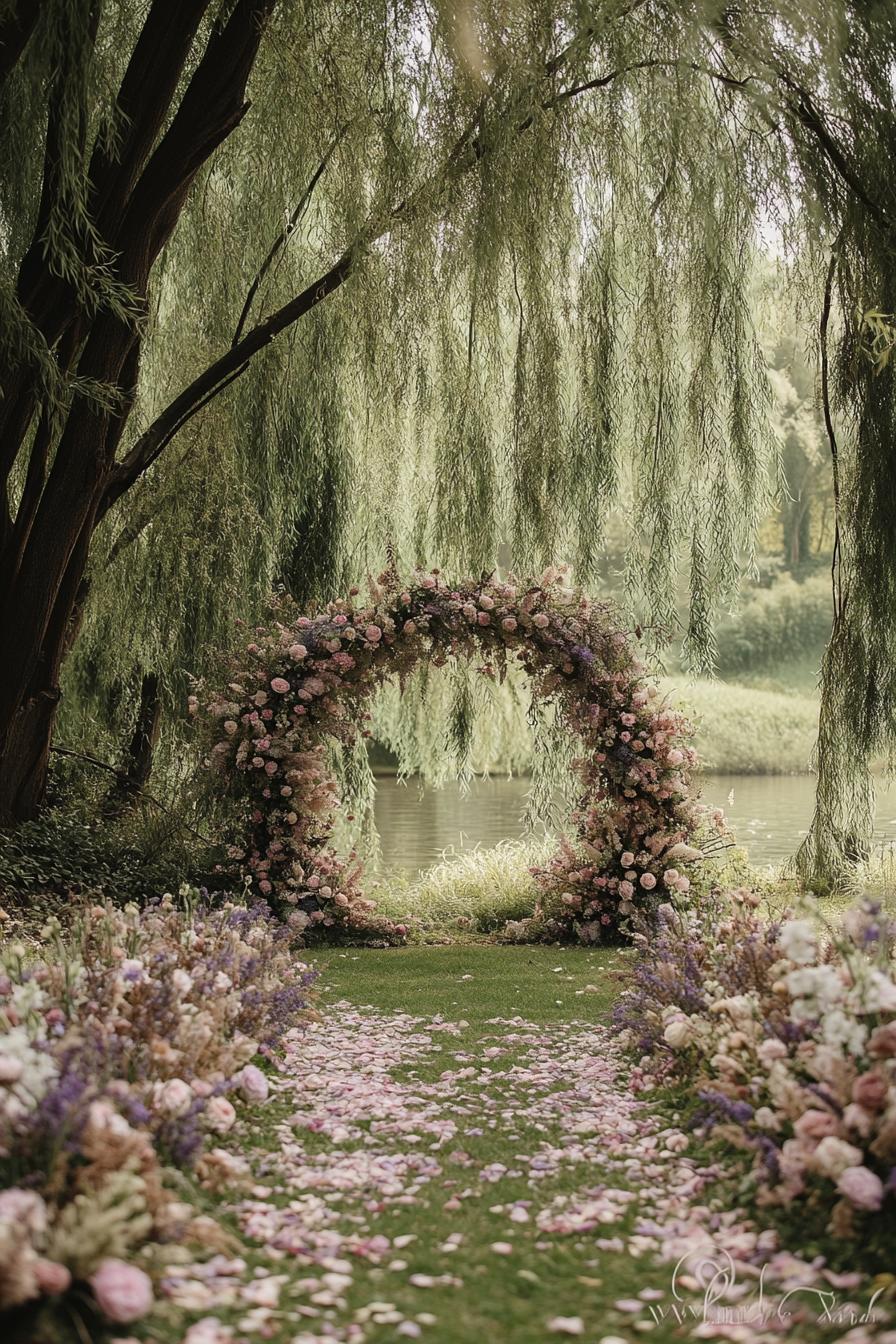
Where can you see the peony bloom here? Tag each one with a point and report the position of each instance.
(626, 890)
(648, 881)
(122, 1291)
(675, 756)
(175, 1097)
(219, 1115)
(252, 1083)
(813, 1125)
(678, 1034)
(870, 1090)
(280, 685)
(832, 1157)
(373, 633)
(52, 1278)
(861, 1187)
(882, 1042)
(297, 652)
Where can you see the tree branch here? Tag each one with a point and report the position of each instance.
(15, 31)
(284, 236)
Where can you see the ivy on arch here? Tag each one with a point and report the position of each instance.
(302, 683)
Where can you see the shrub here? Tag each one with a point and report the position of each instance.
(122, 1048)
(787, 1033)
(786, 622)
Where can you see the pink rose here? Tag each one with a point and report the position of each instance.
(176, 1097)
(648, 881)
(541, 619)
(409, 628)
(882, 1042)
(219, 1115)
(626, 858)
(870, 1090)
(280, 685)
(626, 890)
(483, 618)
(297, 652)
(252, 1083)
(123, 1292)
(509, 624)
(675, 756)
(52, 1278)
(861, 1187)
(814, 1124)
(373, 633)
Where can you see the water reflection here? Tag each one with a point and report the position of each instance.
(768, 813)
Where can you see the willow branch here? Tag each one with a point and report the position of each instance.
(286, 233)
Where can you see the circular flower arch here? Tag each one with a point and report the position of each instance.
(304, 681)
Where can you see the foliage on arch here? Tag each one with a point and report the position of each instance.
(299, 685)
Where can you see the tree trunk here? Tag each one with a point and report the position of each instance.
(25, 757)
(136, 766)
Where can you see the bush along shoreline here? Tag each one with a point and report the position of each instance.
(128, 1046)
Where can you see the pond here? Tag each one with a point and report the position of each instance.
(769, 815)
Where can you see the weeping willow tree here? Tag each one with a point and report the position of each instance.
(287, 284)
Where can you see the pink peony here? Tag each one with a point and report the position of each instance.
(813, 1124)
(373, 633)
(297, 652)
(52, 1278)
(648, 881)
(252, 1083)
(675, 756)
(882, 1042)
(870, 1090)
(123, 1292)
(626, 858)
(175, 1097)
(280, 685)
(861, 1187)
(626, 890)
(219, 1115)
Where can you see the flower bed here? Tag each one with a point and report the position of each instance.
(306, 681)
(787, 1033)
(125, 1048)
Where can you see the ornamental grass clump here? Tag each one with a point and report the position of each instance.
(787, 1033)
(126, 1044)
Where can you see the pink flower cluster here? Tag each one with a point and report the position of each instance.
(304, 681)
(125, 1043)
(789, 1036)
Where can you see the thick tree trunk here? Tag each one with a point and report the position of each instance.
(137, 194)
(25, 757)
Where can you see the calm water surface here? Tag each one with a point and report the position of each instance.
(769, 815)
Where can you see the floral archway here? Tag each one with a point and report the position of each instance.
(302, 682)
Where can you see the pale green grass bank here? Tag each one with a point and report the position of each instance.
(744, 731)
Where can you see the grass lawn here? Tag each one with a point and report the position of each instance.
(459, 1267)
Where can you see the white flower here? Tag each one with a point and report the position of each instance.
(840, 1029)
(678, 1033)
(797, 938)
(833, 1156)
